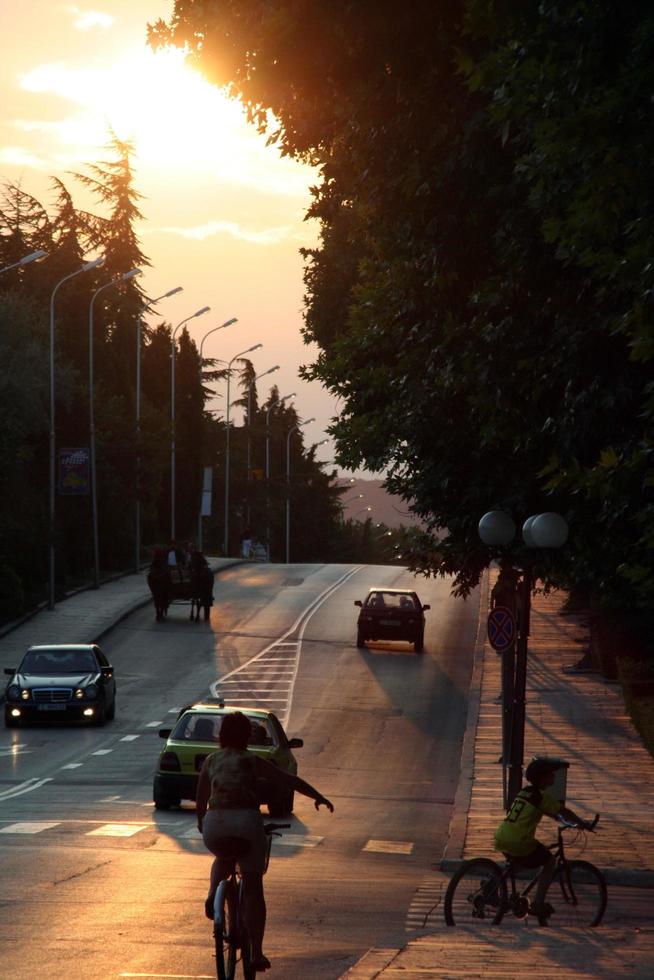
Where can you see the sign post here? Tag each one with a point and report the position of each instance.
(502, 636)
(205, 501)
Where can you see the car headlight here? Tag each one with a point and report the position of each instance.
(25, 694)
(92, 691)
(13, 691)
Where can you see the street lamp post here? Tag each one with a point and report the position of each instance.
(26, 259)
(496, 528)
(229, 372)
(295, 428)
(250, 387)
(94, 488)
(204, 309)
(51, 576)
(221, 326)
(268, 411)
(137, 514)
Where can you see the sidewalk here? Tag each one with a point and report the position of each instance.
(578, 717)
(84, 617)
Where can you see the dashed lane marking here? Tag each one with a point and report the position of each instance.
(73, 765)
(28, 827)
(116, 830)
(153, 724)
(102, 752)
(297, 840)
(389, 846)
(129, 738)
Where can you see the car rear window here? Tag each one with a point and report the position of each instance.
(390, 600)
(194, 727)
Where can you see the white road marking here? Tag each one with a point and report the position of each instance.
(282, 645)
(117, 830)
(297, 840)
(73, 765)
(154, 724)
(129, 738)
(389, 846)
(170, 976)
(102, 752)
(28, 827)
(17, 749)
(26, 787)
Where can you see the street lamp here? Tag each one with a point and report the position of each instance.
(26, 259)
(206, 485)
(139, 332)
(250, 387)
(94, 492)
(229, 373)
(51, 577)
(361, 512)
(205, 309)
(295, 428)
(497, 529)
(272, 405)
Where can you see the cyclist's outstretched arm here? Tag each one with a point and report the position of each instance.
(286, 780)
(571, 817)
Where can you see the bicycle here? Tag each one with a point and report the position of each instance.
(478, 892)
(230, 933)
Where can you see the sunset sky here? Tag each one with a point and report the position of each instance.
(224, 213)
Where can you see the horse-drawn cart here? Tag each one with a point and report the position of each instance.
(192, 585)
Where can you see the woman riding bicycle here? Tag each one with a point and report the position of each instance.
(228, 806)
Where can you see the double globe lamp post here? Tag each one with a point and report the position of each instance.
(541, 531)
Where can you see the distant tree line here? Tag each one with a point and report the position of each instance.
(482, 291)
(67, 235)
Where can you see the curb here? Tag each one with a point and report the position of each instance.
(127, 611)
(453, 851)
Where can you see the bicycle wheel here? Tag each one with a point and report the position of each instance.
(224, 931)
(476, 894)
(578, 894)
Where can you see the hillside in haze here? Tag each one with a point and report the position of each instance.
(386, 509)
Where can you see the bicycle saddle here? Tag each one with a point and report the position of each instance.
(233, 847)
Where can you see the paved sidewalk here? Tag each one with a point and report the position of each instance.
(581, 718)
(84, 617)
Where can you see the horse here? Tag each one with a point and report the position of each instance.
(201, 589)
(159, 585)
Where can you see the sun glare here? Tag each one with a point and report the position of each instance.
(176, 119)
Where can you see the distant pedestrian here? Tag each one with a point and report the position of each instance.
(246, 542)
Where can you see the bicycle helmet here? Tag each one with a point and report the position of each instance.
(540, 767)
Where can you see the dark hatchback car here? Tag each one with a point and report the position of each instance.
(61, 682)
(391, 614)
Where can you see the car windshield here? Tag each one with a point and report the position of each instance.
(58, 662)
(194, 727)
(390, 601)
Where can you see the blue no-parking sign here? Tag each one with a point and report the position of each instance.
(501, 628)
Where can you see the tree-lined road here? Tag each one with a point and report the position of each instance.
(96, 883)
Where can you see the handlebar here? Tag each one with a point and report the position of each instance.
(569, 825)
(270, 828)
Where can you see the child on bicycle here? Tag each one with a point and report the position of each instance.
(515, 836)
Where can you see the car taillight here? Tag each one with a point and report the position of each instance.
(169, 762)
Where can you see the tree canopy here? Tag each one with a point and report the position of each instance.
(482, 291)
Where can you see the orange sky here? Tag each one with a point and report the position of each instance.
(224, 212)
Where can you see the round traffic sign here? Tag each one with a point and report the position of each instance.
(501, 628)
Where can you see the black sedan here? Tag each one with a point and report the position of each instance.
(61, 682)
(391, 614)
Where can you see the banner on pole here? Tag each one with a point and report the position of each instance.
(74, 471)
(205, 509)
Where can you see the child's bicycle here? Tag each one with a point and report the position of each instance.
(478, 893)
(229, 930)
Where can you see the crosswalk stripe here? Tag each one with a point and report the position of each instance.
(28, 827)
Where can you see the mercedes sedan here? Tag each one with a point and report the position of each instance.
(71, 681)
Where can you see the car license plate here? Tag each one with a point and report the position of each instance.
(388, 622)
(51, 707)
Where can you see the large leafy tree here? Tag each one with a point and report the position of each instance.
(481, 294)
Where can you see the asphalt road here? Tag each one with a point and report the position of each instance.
(96, 883)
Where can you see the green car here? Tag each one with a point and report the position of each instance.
(195, 736)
